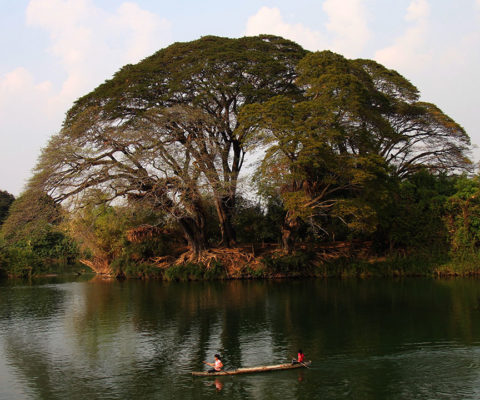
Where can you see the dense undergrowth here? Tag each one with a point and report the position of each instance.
(300, 264)
(303, 264)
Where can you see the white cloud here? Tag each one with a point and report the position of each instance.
(410, 50)
(89, 44)
(19, 86)
(145, 30)
(346, 31)
(348, 23)
(418, 10)
(270, 20)
(441, 65)
(25, 120)
(92, 43)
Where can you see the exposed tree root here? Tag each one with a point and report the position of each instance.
(235, 260)
(100, 266)
(232, 259)
(143, 232)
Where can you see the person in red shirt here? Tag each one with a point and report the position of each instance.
(300, 358)
(217, 365)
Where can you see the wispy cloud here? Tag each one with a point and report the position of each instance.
(270, 20)
(441, 65)
(348, 24)
(346, 30)
(410, 50)
(89, 44)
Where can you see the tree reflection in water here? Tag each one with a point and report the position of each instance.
(131, 339)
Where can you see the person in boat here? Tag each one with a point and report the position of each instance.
(300, 358)
(217, 365)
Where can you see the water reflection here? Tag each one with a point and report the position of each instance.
(368, 339)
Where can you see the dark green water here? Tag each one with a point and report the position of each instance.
(371, 339)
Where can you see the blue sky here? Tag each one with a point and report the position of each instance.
(54, 51)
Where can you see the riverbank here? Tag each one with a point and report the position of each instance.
(269, 262)
(352, 261)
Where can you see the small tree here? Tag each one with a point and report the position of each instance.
(463, 216)
(6, 200)
(33, 237)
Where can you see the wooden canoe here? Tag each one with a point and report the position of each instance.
(250, 370)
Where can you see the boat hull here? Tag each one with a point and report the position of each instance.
(251, 370)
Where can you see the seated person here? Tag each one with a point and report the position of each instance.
(300, 358)
(217, 365)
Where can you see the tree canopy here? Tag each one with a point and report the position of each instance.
(356, 123)
(173, 132)
(166, 128)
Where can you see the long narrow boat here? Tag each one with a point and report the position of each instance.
(263, 368)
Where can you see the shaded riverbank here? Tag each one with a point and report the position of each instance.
(278, 266)
(339, 260)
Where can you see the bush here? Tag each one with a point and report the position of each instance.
(140, 270)
(299, 262)
(194, 272)
(48, 252)
(254, 273)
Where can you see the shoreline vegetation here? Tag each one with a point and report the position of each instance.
(337, 261)
(351, 173)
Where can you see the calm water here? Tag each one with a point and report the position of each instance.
(371, 339)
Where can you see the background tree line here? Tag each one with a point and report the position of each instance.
(153, 160)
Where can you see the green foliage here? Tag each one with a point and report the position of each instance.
(298, 263)
(6, 200)
(3, 272)
(422, 263)
(318, 160)
(255, 224)
(102, 230)
(200, 72)
(52, 252)
(463, 217)
(33, 240)
(194, 272)
(414, 215)
(255, 273)
(33, 214)
(128, 268)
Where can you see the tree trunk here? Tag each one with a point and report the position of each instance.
(290, 227)
(195, 234)
(224, 207)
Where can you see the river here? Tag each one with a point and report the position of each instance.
(368, 339)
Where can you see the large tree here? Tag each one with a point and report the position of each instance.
(165, 129)
(356, 122)
(92, 163)
(307, 164)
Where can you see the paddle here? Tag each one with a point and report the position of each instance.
(301, 362)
